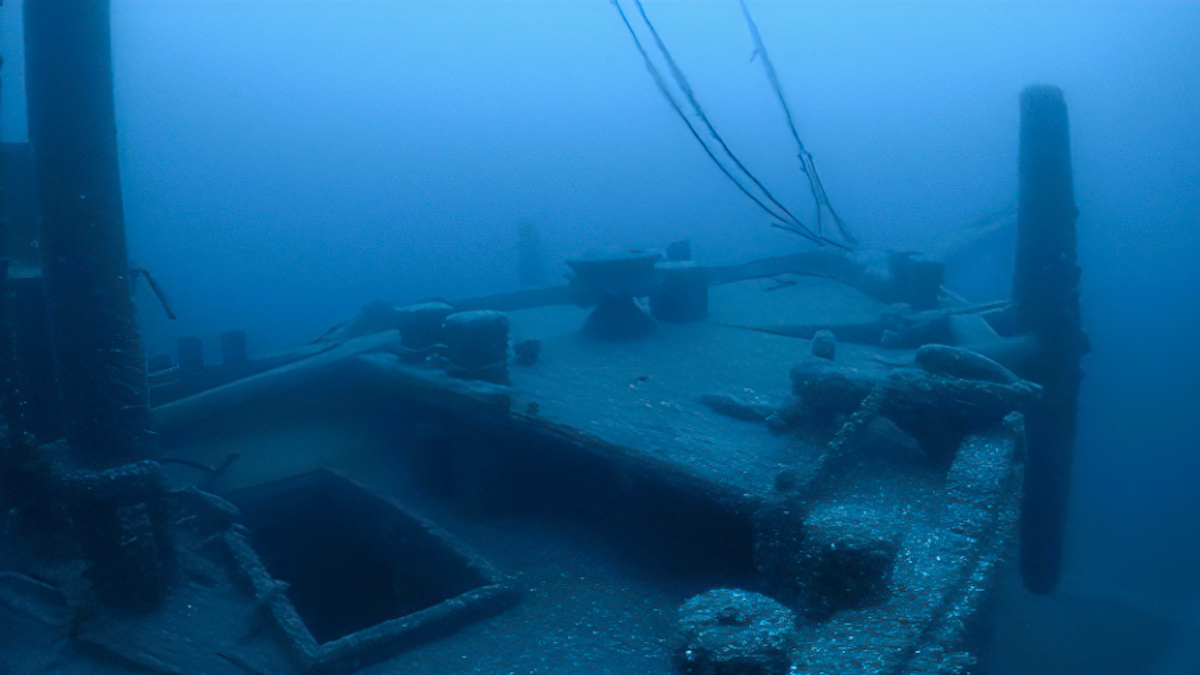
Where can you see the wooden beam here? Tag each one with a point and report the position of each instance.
(1046, 290)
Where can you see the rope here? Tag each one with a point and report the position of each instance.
(791, 219)
(662, 86)
(806, 160)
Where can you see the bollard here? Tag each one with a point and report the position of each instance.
(233, 346)
(917, 281)
(159, 363)
(190, 354)
(421, 324)
(682, 295)
(477, 345)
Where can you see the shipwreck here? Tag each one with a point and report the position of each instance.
(797, 464)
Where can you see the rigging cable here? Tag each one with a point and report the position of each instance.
(662, 86)
(806, 160)
(681, 80)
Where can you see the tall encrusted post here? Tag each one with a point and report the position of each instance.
(8, 394)
(1046, 289)
(72, 126)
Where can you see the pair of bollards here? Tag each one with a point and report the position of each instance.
(190, 352)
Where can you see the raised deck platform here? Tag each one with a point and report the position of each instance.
(602, 483)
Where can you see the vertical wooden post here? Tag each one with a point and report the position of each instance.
(9, 408)
(233, 346)
(8, 369)
(30, 401)
(37, 404)
(531, 259)
(72, 127)
(1046, 288)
